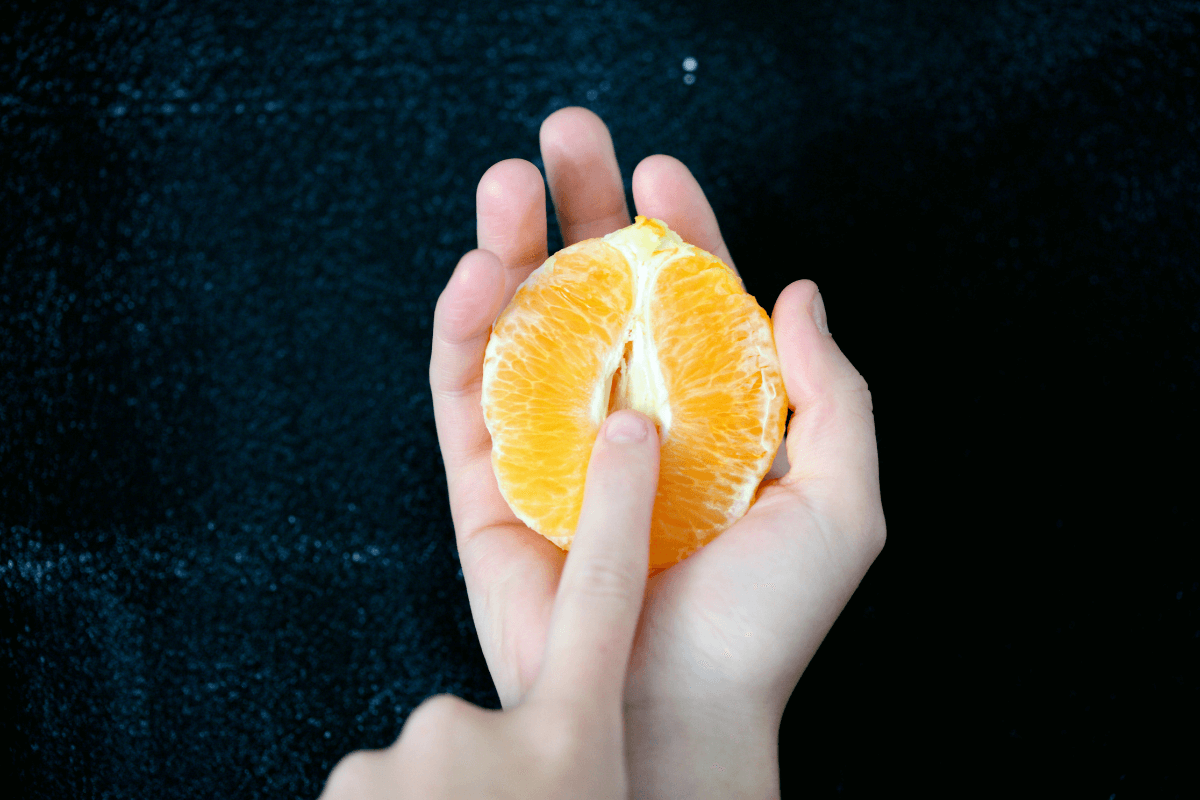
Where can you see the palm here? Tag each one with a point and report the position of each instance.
(720, 624)
(715, 616)
(721, 621)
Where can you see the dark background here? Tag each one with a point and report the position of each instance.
(226, 555)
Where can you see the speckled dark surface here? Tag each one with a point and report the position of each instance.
(226, 556)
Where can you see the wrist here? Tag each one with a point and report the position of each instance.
(688, 752)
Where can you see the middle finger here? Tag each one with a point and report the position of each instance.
(585, 181)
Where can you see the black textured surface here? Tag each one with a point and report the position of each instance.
(226, 555)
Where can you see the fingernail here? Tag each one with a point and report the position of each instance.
(818, 314)
(625, 427)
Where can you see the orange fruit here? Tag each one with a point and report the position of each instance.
(637, 319)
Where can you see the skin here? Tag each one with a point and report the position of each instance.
(612, 685)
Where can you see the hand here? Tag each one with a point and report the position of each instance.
(566, 737)
(726, 633)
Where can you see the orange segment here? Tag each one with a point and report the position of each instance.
(557, 333)
(717, 355)
(641, 320)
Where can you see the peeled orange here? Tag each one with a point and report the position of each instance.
(637, 319)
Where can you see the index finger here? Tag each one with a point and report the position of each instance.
(461, 325)
(510, 217)
(601, 590)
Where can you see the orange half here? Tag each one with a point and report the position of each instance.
(637, 319)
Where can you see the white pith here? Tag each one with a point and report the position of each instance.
(642, 385)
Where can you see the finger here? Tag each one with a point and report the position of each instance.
(780, 466)
(447, 748)
(461, 324)
(507, 569)
(450, 748)
(358, 775)
(600, 594)
(510, 216)
(665, 189)
(585, 181)
(831, 443)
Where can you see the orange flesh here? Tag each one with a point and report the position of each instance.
(567, 342)
(717, 438)
(582, 309)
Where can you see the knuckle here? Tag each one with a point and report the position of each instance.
(849, 402)
(868, 524)
(624, 487)
(432, 722)
(424, 752)
(861, 392)
(561, 739)
(350, 776)
(605, 580)
(877, 533)
(436, 711)
(452, 322)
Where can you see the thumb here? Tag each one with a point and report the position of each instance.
(600, 593)
(831, 442)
